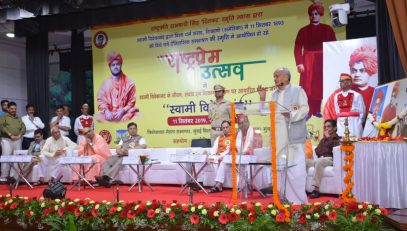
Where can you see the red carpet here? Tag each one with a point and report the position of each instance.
(167, 193)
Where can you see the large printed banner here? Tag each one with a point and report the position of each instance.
(169, 67)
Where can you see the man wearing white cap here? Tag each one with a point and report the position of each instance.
(219, 111)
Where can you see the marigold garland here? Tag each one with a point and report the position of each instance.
(276, 199)
(347, 195)
(233, 152)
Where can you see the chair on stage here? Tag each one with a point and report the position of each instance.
(331, 182)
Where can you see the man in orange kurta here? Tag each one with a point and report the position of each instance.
(96, 147)
(222, 148)
(117, 94)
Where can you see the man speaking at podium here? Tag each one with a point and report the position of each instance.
(293, 100)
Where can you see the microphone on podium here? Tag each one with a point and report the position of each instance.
(240, 104)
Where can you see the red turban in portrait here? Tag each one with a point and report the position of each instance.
(379, 95)
(366, 55)
(316, 6)
(112, 56)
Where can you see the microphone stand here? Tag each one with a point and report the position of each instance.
(285, 169)
(11, 181)
(117, 182)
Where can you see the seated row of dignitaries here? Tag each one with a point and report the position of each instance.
(47, 154)
(112, 166)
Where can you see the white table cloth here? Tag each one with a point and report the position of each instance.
(381, 173)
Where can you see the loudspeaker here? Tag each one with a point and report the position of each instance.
(55, 190)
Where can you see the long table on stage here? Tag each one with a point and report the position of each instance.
(381, 173)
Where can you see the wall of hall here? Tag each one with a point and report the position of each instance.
(13, 77)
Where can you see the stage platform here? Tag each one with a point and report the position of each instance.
(161, 192)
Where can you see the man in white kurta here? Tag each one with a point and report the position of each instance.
(349, 104)
(55, 147)
(291, 137)
(83, 121)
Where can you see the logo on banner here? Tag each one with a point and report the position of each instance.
(106, 135)
(100, 39)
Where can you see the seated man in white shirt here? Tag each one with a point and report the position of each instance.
(55, 147)
(112, 165)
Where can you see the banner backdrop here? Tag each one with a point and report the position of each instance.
(170, 66)
(356, 57)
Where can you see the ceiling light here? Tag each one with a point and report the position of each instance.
(10, 35)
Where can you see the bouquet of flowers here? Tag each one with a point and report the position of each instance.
(143, 158)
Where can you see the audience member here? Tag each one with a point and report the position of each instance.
(324, 154)
(61, 121)
(96, 147)
(290, 138)
(32, 123)
(55, 147)
(12, 129)
(219, 110)
(83, 121)
(112, 166)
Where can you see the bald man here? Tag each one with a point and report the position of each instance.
(96, 147)
(83, 121)
(117, 94)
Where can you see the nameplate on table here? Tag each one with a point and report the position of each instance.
(198, 158)
(179, 157)
(243, 159)
(131, 160)
(16, 159)
(76, 160)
